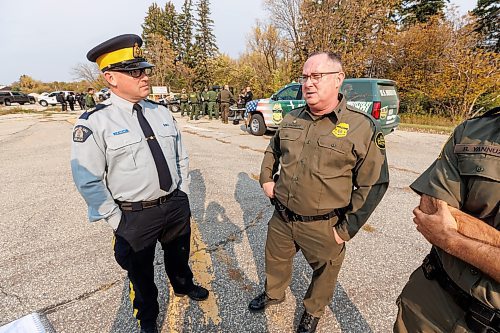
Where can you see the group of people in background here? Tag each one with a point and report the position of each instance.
(212, 102)
(84, 100)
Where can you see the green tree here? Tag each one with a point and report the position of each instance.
(154, 23)
(420, 11)
(186, 34)
(487, 13)
(205, 47)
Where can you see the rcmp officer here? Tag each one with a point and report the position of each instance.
(131, 167)
(184, 102)
(457, 288)
(333, 174)
(213, 111)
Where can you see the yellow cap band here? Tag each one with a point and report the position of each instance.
(115, 57)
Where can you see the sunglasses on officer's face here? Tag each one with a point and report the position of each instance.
(136, 73)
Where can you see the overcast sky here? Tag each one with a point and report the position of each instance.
(46, 39)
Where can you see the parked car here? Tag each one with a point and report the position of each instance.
(45, 100)
(377, 97)
(103, 94)
(8, 97)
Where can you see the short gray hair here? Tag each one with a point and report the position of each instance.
(334, 57)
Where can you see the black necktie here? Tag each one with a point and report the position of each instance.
(154, 146)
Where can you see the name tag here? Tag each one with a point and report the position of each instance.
(166, 125)
(477, 149)
(120, 132)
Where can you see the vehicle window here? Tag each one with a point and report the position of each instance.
(289, 93)
(358, 91)
(52, 94)
(16, 94)
(4, 94)
(387, 92)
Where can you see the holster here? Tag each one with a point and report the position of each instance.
(479, 317)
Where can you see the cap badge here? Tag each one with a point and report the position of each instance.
(137, 51)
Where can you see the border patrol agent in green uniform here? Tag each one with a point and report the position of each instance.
(204, 105)
(450, 292)
(130, 165)
(333, 174)
(184, 102)
(213, 111)
(194, 101)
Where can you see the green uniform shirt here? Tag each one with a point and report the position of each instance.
(194, 97)
(467, 176)
(204, 96)
(329, 162)
(212, 96)
(184, 97)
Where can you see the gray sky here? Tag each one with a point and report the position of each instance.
(46, 39)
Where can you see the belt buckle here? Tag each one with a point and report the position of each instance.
(162, 200)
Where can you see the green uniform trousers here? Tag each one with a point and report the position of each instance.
(184, 108)
(213, 111)
(204, 108)
(195, 111)
(426, 307)
(317, 242)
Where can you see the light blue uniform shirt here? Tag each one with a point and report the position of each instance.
(111, 159)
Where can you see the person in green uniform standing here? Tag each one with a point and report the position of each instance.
(457, 288)
(194, 101)
(211, 109)
(183, 98)
(332, 174)
(204, 103)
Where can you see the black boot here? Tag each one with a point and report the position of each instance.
(262, 301)
(197, 294)
(307, 324)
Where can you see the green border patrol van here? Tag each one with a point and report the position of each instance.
(377, 97)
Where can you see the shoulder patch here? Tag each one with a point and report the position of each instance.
(151, 101)
(380, 140)
(81, 133)
(87, 114)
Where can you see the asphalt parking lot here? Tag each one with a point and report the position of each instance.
(55, 263)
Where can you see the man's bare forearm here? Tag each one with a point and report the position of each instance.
(480, 255)
(467, 225)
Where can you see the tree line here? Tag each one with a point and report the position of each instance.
(442, 63)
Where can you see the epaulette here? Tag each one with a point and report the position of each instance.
(154, 102)
(98, 107)
(369, 116)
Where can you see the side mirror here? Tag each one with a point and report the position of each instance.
(273, 97)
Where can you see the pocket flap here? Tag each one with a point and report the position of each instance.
(290, 134)
(166, 131)
(331, 142)
(122, 140)
(481, 166)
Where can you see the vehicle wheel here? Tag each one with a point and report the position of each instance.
(43, 103)
(257, 125)
(174, 108)
(32, 101)
(7, 102)
(22, 103)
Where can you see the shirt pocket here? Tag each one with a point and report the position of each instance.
(167, 138)
(290, 145)
(122, 150)
(335, 156)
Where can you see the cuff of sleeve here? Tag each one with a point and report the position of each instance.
(342, 231)
(114, 220)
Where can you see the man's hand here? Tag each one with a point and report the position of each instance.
(269, 189)
(438, 228)
(338, 239)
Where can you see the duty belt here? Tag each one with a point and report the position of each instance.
(289, 216)
(140, 205)
(478, 317)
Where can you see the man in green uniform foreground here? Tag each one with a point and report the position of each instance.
(194, 101)
(457, 287)
(184, 102)
(333, 174)
(213, 111)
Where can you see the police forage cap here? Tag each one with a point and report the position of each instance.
(119, 53)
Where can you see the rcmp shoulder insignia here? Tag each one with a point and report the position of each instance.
(380, 140)
(81, 133)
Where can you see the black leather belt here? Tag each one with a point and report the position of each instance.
(289, 216)
(140, 205)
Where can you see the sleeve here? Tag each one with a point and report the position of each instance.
(370, 180)
(88, 166)
(271, 160)
(182, 161)
(442, 179)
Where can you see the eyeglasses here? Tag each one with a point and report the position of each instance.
(135, 73)
(315, 77)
